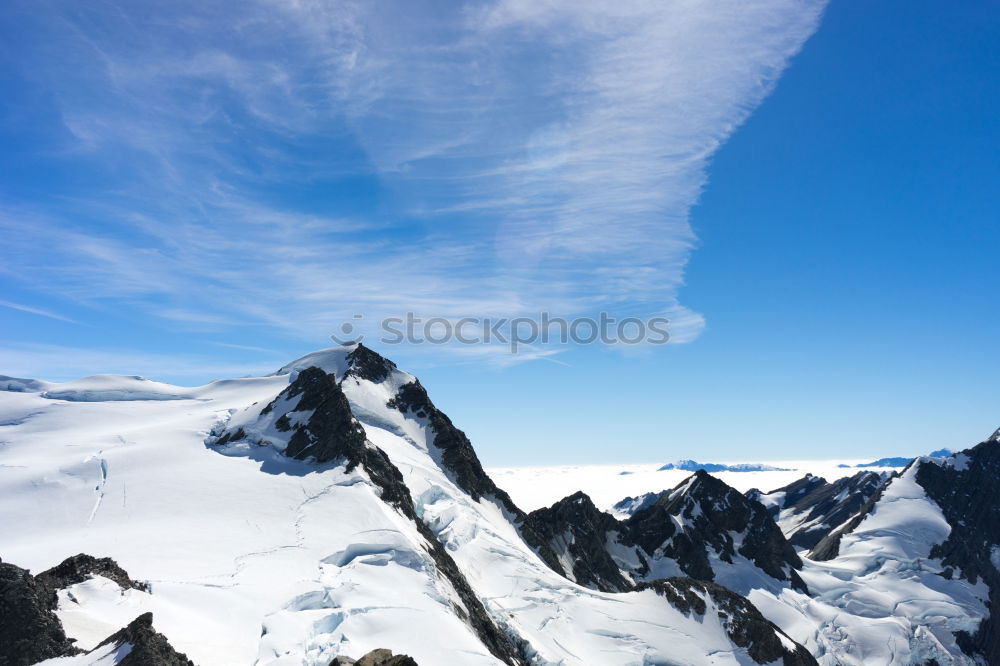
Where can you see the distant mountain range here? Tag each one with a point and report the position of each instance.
(692, 466)
(900, 462)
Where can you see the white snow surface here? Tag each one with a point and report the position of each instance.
(254, 558)
(108, 655)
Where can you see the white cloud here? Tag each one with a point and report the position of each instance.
(537, 156)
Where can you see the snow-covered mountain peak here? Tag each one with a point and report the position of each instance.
(715, 533)
(350, 513)
(702, 528)
(354, 359)
(332, 360)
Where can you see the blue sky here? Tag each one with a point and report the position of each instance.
(807, 191)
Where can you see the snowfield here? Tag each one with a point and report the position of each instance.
(255, 558)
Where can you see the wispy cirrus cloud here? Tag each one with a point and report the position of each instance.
(35, 311)
(288, 164)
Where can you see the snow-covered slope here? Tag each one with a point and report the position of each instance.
(329, 509)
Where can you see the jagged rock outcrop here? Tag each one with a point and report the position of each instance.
(809, 509)
(30, 632)
(457, 454)
(743, 623)
(578, 532)
(784, 497)
(378, 657)
(704, 513)
(458, 458)
(81, 567)
(682, 530)
(144, 645)
(828, 547)
(629, 505)
(367, 364)
(331, 431)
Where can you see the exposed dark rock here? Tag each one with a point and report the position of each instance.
(81, 567)
(575, 525)
(793, 493)
(968, 492)
(383, 657)
(229, 436)
(687, 525)
(834, 504)
(818, 506)
(711, 512)
(457, 454)
(148, 647)
(378, 657)
(332, 432)
(30, 632)
(743, 623)
(364, 363)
